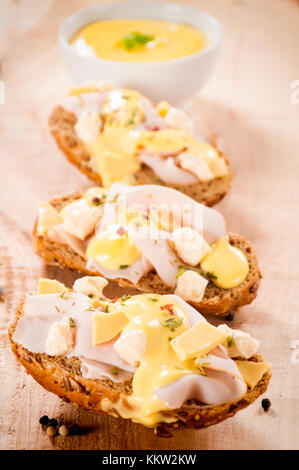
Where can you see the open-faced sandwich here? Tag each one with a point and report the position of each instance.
(117, 135)
(150, 358)
(151, 238)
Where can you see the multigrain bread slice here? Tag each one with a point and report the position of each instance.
(62, 127)
(62, 376)
(216, 301)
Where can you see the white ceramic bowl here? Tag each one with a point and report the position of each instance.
(174, 80)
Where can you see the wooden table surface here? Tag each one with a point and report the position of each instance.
(248, 103)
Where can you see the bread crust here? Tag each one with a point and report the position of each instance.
(62, 127)
(62, 377)
(216, 301)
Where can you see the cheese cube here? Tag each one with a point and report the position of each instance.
(60, 337)
(90, 285)
(48, 217)
(241, 344)
(189, 245)
(105, 326)
(179, 120)
(191, 286)
(197, 341)
(50, 286)
(80, 218)
(252, 372)
(196, 165)
(88, 125)
(131, 346)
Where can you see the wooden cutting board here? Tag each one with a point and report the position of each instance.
(248, 104)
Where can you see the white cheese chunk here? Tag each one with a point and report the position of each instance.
(60, 337)
(238, 343)
(191, 286)
(80, 218)
(196, 165)
(131, 346)
(88, 125)
(93, 285)
(189, 245)
(179, 120)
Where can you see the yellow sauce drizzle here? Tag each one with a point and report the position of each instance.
(159, 365)
(115, 151)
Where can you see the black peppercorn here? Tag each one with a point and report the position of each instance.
(53, 422)
(229, 317)
(44, 420)
(266, 403)
(75, 430)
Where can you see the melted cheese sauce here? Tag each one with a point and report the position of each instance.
(159, 365)
(115, 151)
(227, 263)
(112, 248)
(157, 40)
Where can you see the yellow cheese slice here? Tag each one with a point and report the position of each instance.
(197, 341)
(105, 326)
(50, 286)
(47, 217)
(252, 372)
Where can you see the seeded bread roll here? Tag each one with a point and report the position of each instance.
(216, 301)
(62, 376)
(62, 126)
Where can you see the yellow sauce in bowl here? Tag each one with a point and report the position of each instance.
(141, 40)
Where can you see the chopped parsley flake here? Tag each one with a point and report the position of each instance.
(114, 199)
(135, 39)
(89, 309)
(64, 295)
(172, 323)
(125, 297)
(123, 266)
(72, 323)
(115, 370)
(230, 341)
(90, 296)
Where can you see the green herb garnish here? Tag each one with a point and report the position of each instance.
(115, 370)
(72, 323)
(172, 323)
(114, 199)
(64, 295)
(180, 272)
(125, 297)
(135, 39)
(89, 309)
(58, 310)
(123, 266)
(90, 296)
(208, 275)
(230, 341)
